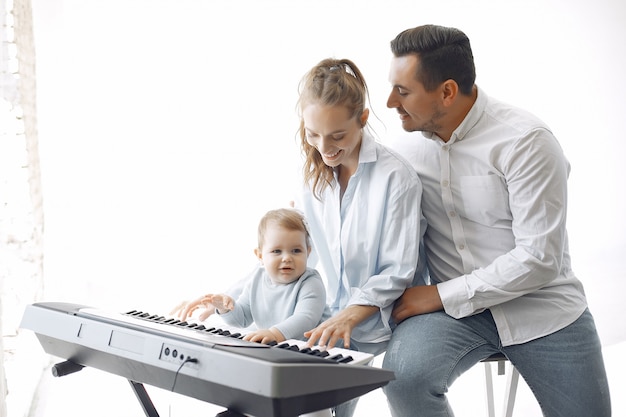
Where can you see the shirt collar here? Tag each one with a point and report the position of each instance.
(367, 153)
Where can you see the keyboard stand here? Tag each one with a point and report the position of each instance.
(150, 410)
(144, 399)
(230, 413)
(69, 367)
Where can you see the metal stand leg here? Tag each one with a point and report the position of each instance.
(229, 413)
(144, 399)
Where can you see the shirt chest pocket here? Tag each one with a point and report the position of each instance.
(485, 200)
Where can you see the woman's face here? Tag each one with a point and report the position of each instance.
(334, 133)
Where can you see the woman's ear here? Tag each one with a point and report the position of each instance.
(364, 116)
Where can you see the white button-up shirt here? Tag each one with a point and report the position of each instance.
(367, 243)
(495, 200)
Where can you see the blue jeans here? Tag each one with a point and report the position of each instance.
(564, 370)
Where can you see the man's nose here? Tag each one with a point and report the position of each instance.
(391, 101)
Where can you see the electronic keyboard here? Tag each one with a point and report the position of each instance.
(204, 362)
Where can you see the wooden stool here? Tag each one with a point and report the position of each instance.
(511, 385)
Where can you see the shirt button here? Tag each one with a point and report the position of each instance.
(461, 246)
(445, 148)
(452, 214)
(445, 183)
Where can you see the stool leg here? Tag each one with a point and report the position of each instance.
(511, 390)
(489, 390)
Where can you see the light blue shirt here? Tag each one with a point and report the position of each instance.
(495, 199)
(292, 308)
(367, 243)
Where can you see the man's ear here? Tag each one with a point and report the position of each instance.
(450, 92)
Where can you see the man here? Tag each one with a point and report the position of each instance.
(495, 200)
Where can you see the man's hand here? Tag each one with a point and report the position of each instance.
(416, 300)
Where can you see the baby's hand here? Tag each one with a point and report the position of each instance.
(222, 302)
(185, 309)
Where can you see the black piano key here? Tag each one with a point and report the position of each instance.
(236, 335)
(346, 359)
(200, 327)
(336, 357)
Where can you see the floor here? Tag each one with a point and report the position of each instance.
(99, 394)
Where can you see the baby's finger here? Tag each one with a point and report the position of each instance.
(176, 309)
(206, 313)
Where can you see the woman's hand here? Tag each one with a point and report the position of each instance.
(265, 336)
(339, 327)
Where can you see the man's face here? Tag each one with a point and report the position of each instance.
(419, 110)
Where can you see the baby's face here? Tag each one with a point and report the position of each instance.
(284, 254)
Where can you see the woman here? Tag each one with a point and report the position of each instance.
(362, 203)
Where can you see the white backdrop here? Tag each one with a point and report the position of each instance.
(167, 128)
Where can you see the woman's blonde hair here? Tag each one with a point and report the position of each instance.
(332, 82)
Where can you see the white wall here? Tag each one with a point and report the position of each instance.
(167, 128)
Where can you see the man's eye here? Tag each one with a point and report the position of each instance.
(402, 92)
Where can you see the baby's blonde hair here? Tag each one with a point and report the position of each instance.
(288, 218)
